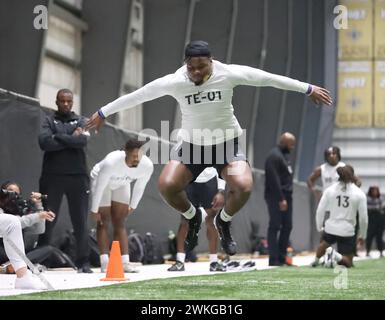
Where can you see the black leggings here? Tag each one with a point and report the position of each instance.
(375, 230)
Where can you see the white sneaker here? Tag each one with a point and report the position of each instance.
(330, 258)
(127, 267)
(29, 281)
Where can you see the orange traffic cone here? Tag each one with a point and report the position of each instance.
(115, 266)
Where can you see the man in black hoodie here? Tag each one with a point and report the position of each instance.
(278, 196)
(64, 172)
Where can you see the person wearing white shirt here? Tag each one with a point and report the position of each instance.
(208, 192)
(203, 87)
(343, 200)
(327, 171)
(112, 199)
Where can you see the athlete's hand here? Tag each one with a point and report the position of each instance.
(360, 243)
(97, 217)
(317, 195)
(95, 121)
(218, 201)
(321, 96)
(129, 211)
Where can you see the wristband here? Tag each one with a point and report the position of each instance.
(101, 115)
(309, 90)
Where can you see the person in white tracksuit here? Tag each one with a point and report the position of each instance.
(203, 88)
(343, 200)
(11, 226)
(111, 195)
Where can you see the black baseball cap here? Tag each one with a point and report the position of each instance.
(197, 48)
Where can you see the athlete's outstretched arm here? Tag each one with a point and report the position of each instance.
(155, 89)
(245, 75)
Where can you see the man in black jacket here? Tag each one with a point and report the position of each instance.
(65, 172)
(278, 196)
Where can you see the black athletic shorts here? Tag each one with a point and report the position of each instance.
(197, 157)
(345, 245)
(201, 194)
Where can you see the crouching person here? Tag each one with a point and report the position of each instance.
(343, 200)
(15, 215)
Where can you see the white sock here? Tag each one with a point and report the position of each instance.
(316, 259)
(338, 256)
(104, 259)
(224, 216)
(125, 258)
(180, 256)
(204, 214)
(213, 257)
(189, 213)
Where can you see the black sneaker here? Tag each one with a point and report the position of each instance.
(248, 264)
(216, 266)
(177, 266)
(85, 268)
(232, 265)
(227, 242)
(194, 225)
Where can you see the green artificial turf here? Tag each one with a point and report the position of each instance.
(365, 281)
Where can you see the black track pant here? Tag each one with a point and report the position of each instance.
(278, 234)
(375, 230)
(76, 189)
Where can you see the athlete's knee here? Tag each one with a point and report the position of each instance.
(243, 186)
(118, 223)
(246, 188)
(162, 186)
(168, 186)
(119, 227)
